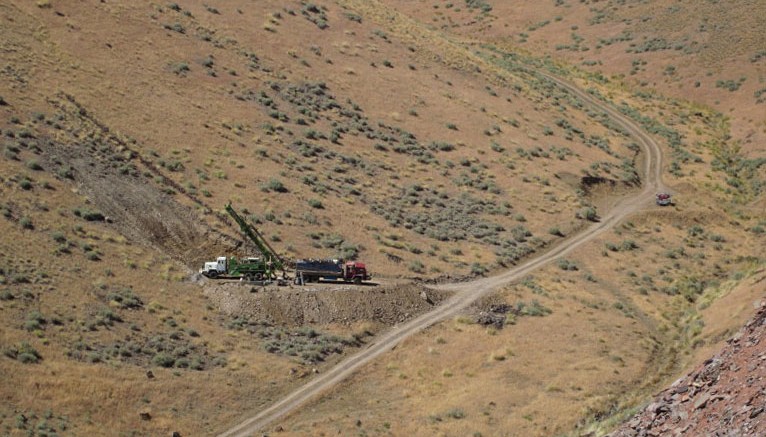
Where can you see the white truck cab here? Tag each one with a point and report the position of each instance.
(215, 268)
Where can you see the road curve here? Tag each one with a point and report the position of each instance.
(468, 292)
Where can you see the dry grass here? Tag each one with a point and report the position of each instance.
(190, 108)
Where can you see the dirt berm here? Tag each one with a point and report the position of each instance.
(323, 303)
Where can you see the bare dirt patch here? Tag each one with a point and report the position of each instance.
(127, 190)
(323, 304)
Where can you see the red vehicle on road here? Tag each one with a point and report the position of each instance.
(663, 199)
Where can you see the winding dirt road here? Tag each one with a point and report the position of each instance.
(468, 292)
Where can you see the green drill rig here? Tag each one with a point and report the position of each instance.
(253, 268)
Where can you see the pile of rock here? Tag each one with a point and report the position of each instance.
(725, 396)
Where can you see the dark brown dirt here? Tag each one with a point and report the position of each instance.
(134, 194)
(322, 304)
(725, 396)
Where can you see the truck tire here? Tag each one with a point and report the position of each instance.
(357, 280)
(212, 274)
(259, 276)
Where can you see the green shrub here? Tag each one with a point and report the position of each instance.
(163, 359)
(65, 172)
(567, 265)
(534, 309)
(175, 27)
(316, 203)
(26, 223)
(34, 165)
(588, 213)
(24, 353)
(628, 245)
(456, 413)
(180, 68)
(416, 266)
(478, 269)
(124, 298)
(35, 321)
(275, 185)
(348, 251)
(555, 231)
(89, 215)
(25, 184)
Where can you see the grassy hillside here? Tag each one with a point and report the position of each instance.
(420, 137)
(709, 52)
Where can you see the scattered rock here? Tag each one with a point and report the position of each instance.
(701, 401)
(145, 415)
(724, 396)
(487, 319)
(424, 296)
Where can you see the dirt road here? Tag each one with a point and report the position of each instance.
(468, 292)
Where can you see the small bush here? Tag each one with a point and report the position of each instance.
(24, 353)
(34, 165)
(65, 172)
(59, 237)
(628, 245)
(125, 299)
(275, 185)
(534, 309)
(588, 213)
(416, 266)
(89, 215)
(26, 223)
(35, 321)
(175, 27)
(163, 359)
(180, 68)
(567, 265)
(25, 184)
(316, 203)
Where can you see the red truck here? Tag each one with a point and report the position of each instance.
(312, 270)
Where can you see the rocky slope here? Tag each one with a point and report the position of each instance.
(725, 396)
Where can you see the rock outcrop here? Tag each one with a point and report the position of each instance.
(725, 396)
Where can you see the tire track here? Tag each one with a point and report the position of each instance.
(467, 293)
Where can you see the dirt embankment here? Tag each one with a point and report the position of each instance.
(323, 304)
(723, 396)
(130, 191)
